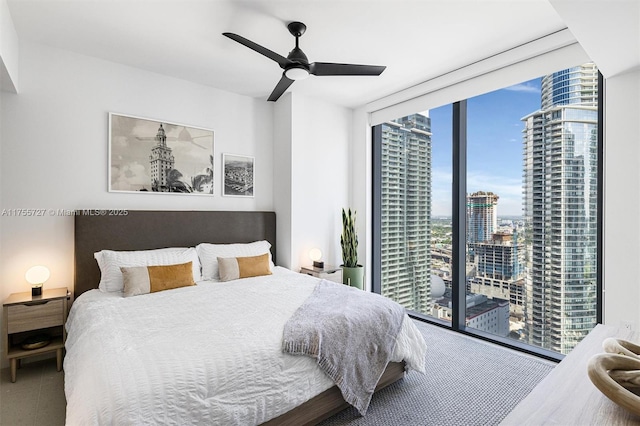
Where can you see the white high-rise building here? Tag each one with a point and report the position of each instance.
(482, 216)
(406, 211)
(560, 209)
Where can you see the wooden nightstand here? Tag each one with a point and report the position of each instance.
(26, 316)
(331, 273)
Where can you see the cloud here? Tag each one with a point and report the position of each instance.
(130, 177)
(523, 87)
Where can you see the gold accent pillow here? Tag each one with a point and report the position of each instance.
(150, 279)
(232, 268)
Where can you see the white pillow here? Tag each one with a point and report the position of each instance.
(209, 253)
(111, 261)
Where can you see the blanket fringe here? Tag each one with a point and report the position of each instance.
(351, 398)
(301, 348)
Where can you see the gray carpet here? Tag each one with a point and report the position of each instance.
(468, 382)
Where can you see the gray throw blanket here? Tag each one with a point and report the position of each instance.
(352, 333)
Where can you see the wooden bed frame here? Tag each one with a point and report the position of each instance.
(97, 230)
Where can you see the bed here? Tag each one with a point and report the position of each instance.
(204, 354)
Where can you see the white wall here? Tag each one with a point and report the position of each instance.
(54, 150)
(311, 177)
(282, 147)
(8, 71)
(622, 200)
(321, 165)
(8, 51)
(1, 202)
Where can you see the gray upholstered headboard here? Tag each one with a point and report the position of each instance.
(143, 230)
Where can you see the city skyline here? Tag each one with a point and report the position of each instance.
(531, 279)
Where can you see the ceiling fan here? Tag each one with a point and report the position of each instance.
(296, 66)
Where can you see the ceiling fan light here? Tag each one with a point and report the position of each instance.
(296, 73)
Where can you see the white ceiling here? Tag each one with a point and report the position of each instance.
(416, 40)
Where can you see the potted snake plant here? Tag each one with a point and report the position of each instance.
(352, 273)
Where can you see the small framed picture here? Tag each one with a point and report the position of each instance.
(237, 175)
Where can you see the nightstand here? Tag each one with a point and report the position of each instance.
(331, 273)
(25, 317)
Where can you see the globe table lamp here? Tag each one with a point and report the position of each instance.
(315, 254)
(36, 276)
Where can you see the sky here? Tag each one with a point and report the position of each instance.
(494, 147)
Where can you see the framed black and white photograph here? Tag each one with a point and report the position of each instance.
(160, 157)
(237, 172)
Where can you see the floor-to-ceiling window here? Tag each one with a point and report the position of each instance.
(528, 226)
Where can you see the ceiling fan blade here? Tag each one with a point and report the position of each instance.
(281, 60)
(329, 68)
(282, 85)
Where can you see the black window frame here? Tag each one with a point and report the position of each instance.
(459, 196)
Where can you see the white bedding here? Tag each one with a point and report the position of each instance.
(206, 354)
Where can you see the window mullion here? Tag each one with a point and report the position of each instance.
(459, 216)
(376, 222)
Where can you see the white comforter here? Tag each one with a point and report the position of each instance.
(207, 354)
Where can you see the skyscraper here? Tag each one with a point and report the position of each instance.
(499, 270)
(560, 209)
(161, 161)
(406, 211)
(482, 216)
